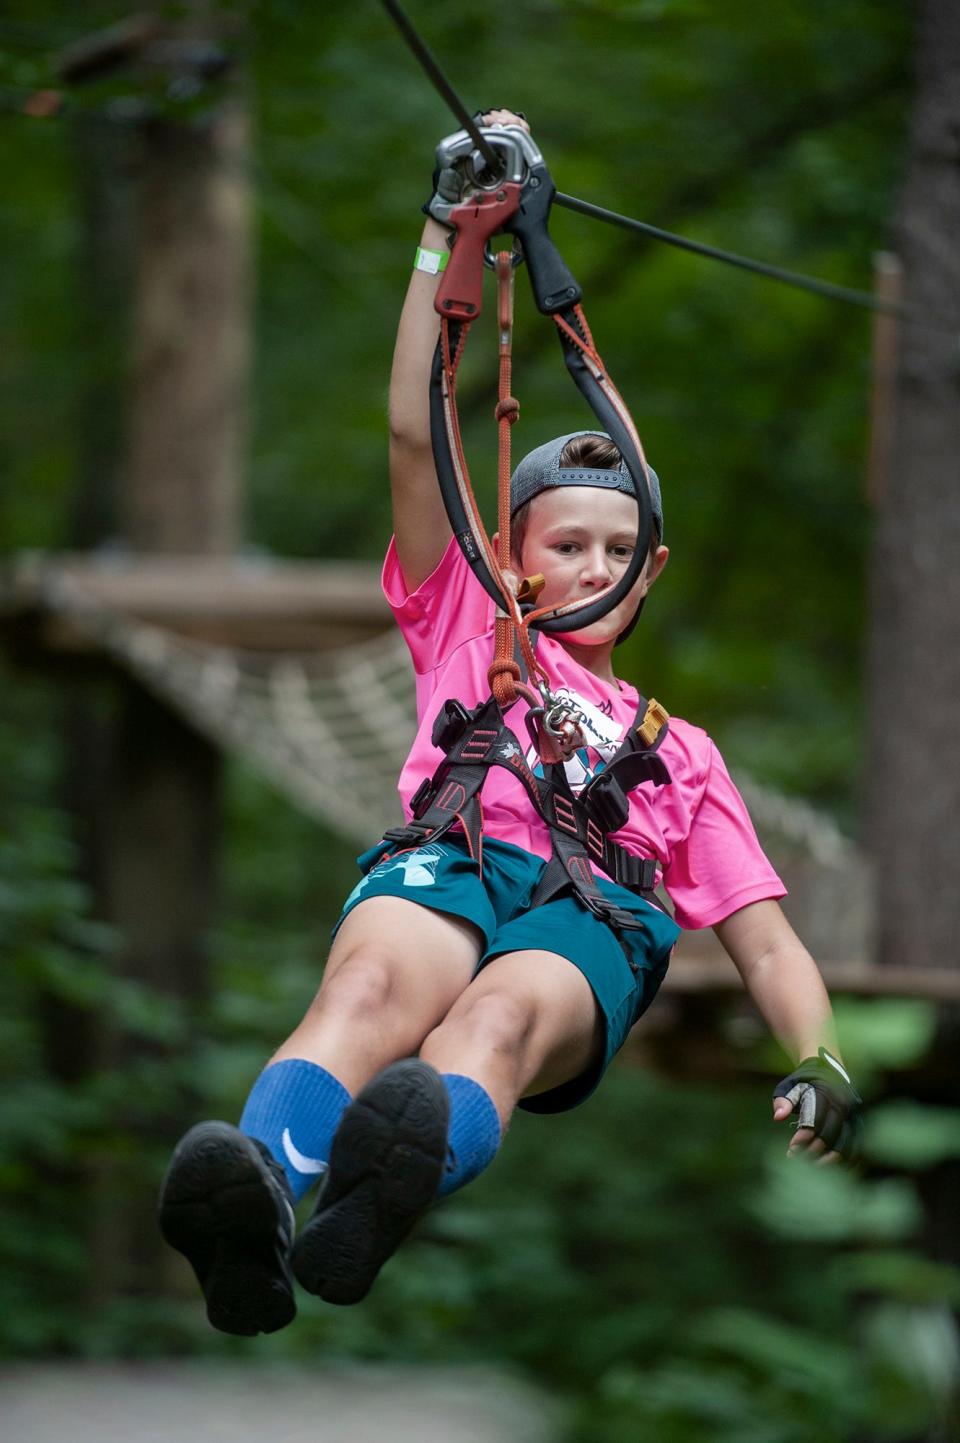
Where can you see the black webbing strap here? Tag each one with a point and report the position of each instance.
(474, 741)
(580, 828)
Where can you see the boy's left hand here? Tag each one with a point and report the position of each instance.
(448, 183)
(828, 1109)
(498, 116)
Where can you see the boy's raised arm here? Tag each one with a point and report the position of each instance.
(420, 522)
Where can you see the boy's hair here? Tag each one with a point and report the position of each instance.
(582, 453)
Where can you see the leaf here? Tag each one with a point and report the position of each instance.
(884, 1033)
(800, 1201)
(911, 1135)
(903, 1275)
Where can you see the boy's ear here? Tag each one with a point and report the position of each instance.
(656, 564)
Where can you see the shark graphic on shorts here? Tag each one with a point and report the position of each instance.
(419, 869)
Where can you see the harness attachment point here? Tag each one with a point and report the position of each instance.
(555, 733)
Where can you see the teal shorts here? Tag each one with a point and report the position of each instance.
(624, 978)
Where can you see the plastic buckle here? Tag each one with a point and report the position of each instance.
(409, 836)
(449, 725)
(422, 797)
(607, 802)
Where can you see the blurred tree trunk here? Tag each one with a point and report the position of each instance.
(914, 779)
(143, 786)
(182, 488)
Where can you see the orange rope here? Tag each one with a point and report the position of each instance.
(510, 630)
(504, 673)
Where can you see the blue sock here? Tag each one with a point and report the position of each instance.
(294, 1108)
(474, 1134)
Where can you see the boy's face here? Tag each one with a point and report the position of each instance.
(582, 539)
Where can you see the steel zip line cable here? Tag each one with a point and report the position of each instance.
(828, 289)
(776, 273)
(427, 59)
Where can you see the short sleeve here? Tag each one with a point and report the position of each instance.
(447, 609)
(720, 865)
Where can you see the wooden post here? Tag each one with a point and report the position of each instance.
(913, 777)
(144, 786)
(887, 287)
(181, 490)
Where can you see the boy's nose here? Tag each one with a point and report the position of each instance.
(596, 568)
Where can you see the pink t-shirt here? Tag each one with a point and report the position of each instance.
(697, 826)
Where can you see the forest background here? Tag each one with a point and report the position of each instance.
(649, 1260)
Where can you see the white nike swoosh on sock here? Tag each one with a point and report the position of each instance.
(298, 1159)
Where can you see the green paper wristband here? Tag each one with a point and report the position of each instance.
(432, 262)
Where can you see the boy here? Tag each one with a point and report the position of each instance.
(447, 1000)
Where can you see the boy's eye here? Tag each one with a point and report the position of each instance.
(566, 548)
(622, 552)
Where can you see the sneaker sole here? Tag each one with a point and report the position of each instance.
(218, 1208)
(386, 1163)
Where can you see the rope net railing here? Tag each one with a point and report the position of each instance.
(332, 729)
(329, 729)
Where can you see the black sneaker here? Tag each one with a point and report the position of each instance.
(226, 1205)
(386, 1163)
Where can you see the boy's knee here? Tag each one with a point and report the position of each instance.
(493, 1022)
(363, 985)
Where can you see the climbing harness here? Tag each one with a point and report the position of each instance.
(516, 198)
(579, 825)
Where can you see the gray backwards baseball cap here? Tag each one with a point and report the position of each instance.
(541, 469)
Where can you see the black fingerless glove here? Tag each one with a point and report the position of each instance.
(445, 193)
(825, 1100)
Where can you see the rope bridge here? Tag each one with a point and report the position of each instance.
(331, 729)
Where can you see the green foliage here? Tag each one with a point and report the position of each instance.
(781, 139)
(59, 1002)
(652, 1260)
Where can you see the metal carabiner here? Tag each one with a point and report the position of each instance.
(458, 152)
(516, 256)
(562, 722)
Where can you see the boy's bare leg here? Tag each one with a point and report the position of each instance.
(395, 970)
(527, 1023)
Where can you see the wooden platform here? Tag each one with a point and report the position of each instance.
(701, 966)
(246, 603)
(278, 607)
